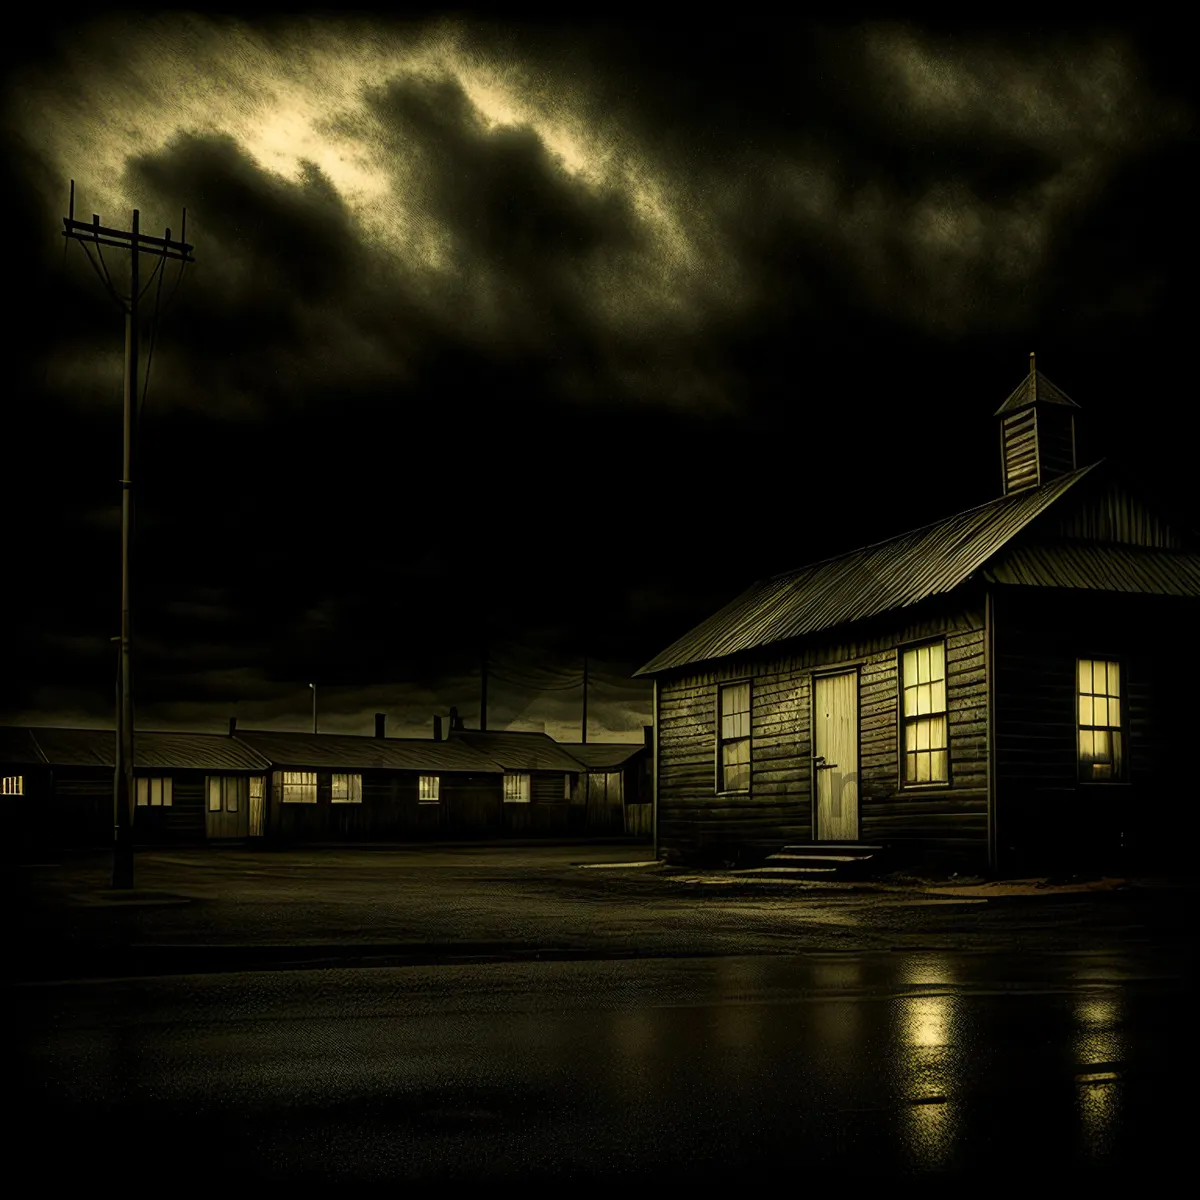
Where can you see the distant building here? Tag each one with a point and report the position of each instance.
(289, 787)
(1005, 688)
(616, 787)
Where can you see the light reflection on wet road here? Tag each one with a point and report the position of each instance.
(677, 1069)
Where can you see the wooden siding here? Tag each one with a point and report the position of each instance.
(1115, 515)
(1019, 440)
(1046, 818)
(1055, 442)
(390, 808)
(778, 807)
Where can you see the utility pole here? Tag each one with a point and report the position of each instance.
(314, 692)
(483, 676)
(136, 243)
(583, 737)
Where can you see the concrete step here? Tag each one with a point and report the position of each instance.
(856, 849)
(818, 858)
(798, 872)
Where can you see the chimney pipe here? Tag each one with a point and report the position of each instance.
(232, 726)
(437, 729)
(380, 722)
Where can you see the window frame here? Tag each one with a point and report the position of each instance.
(296, 780)
(422, 797)
(166, 791)
(230, 789)
(7, 788)
(904, 721)
(527, 798)
(352, 787)
(1122, 729)
(719, 782)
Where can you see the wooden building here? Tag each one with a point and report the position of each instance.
(335, 787)
(187, 786)
(541, 780)
(616, 785)
(1003, 689)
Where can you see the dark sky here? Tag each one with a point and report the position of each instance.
(556, 334)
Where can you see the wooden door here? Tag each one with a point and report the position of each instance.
(835, 756)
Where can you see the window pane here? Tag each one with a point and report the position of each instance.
(737, 778)
(937, 701)
(922, 735)
(937, 661)
(168, 788)
(232, 784)
(937, 769)
(1086, 710)
(256, 787)
(910, 737)
(142, 791)
(910, 701)
(735, 698)
(1085, 674)
(736, 752)
(922, 768)
(156, 792)
(1101, 745)
(910, 667)
(214, 793)
(1117, 750)
(923, 698)
(736, 725)
(937, 733)
(1114, 679)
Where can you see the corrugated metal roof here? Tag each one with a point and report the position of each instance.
(151, 749)
(77, 747)
(1035, 388)
(603, 756)
(518, 751)
(199, 751)
(355, 752)
(18, 748)
(879, 578)
(1106, 568)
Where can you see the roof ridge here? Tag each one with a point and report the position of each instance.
(1012, 496)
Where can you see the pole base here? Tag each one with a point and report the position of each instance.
(122, 876)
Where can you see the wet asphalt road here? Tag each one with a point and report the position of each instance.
(1014, 1067)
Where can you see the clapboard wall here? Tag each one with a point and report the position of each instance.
(946, 820)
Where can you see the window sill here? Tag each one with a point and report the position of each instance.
(433, 803)
(742, 792)
(944, 786)
(1105, 783)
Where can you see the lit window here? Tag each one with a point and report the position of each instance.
(566, 787)
(1101, 748)
(516, 789)
(223, 792)
(733, 739)
(347, 789)
(299, 787)
(429, 789)
(923, 680)
(13, 785)
(154, 793)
